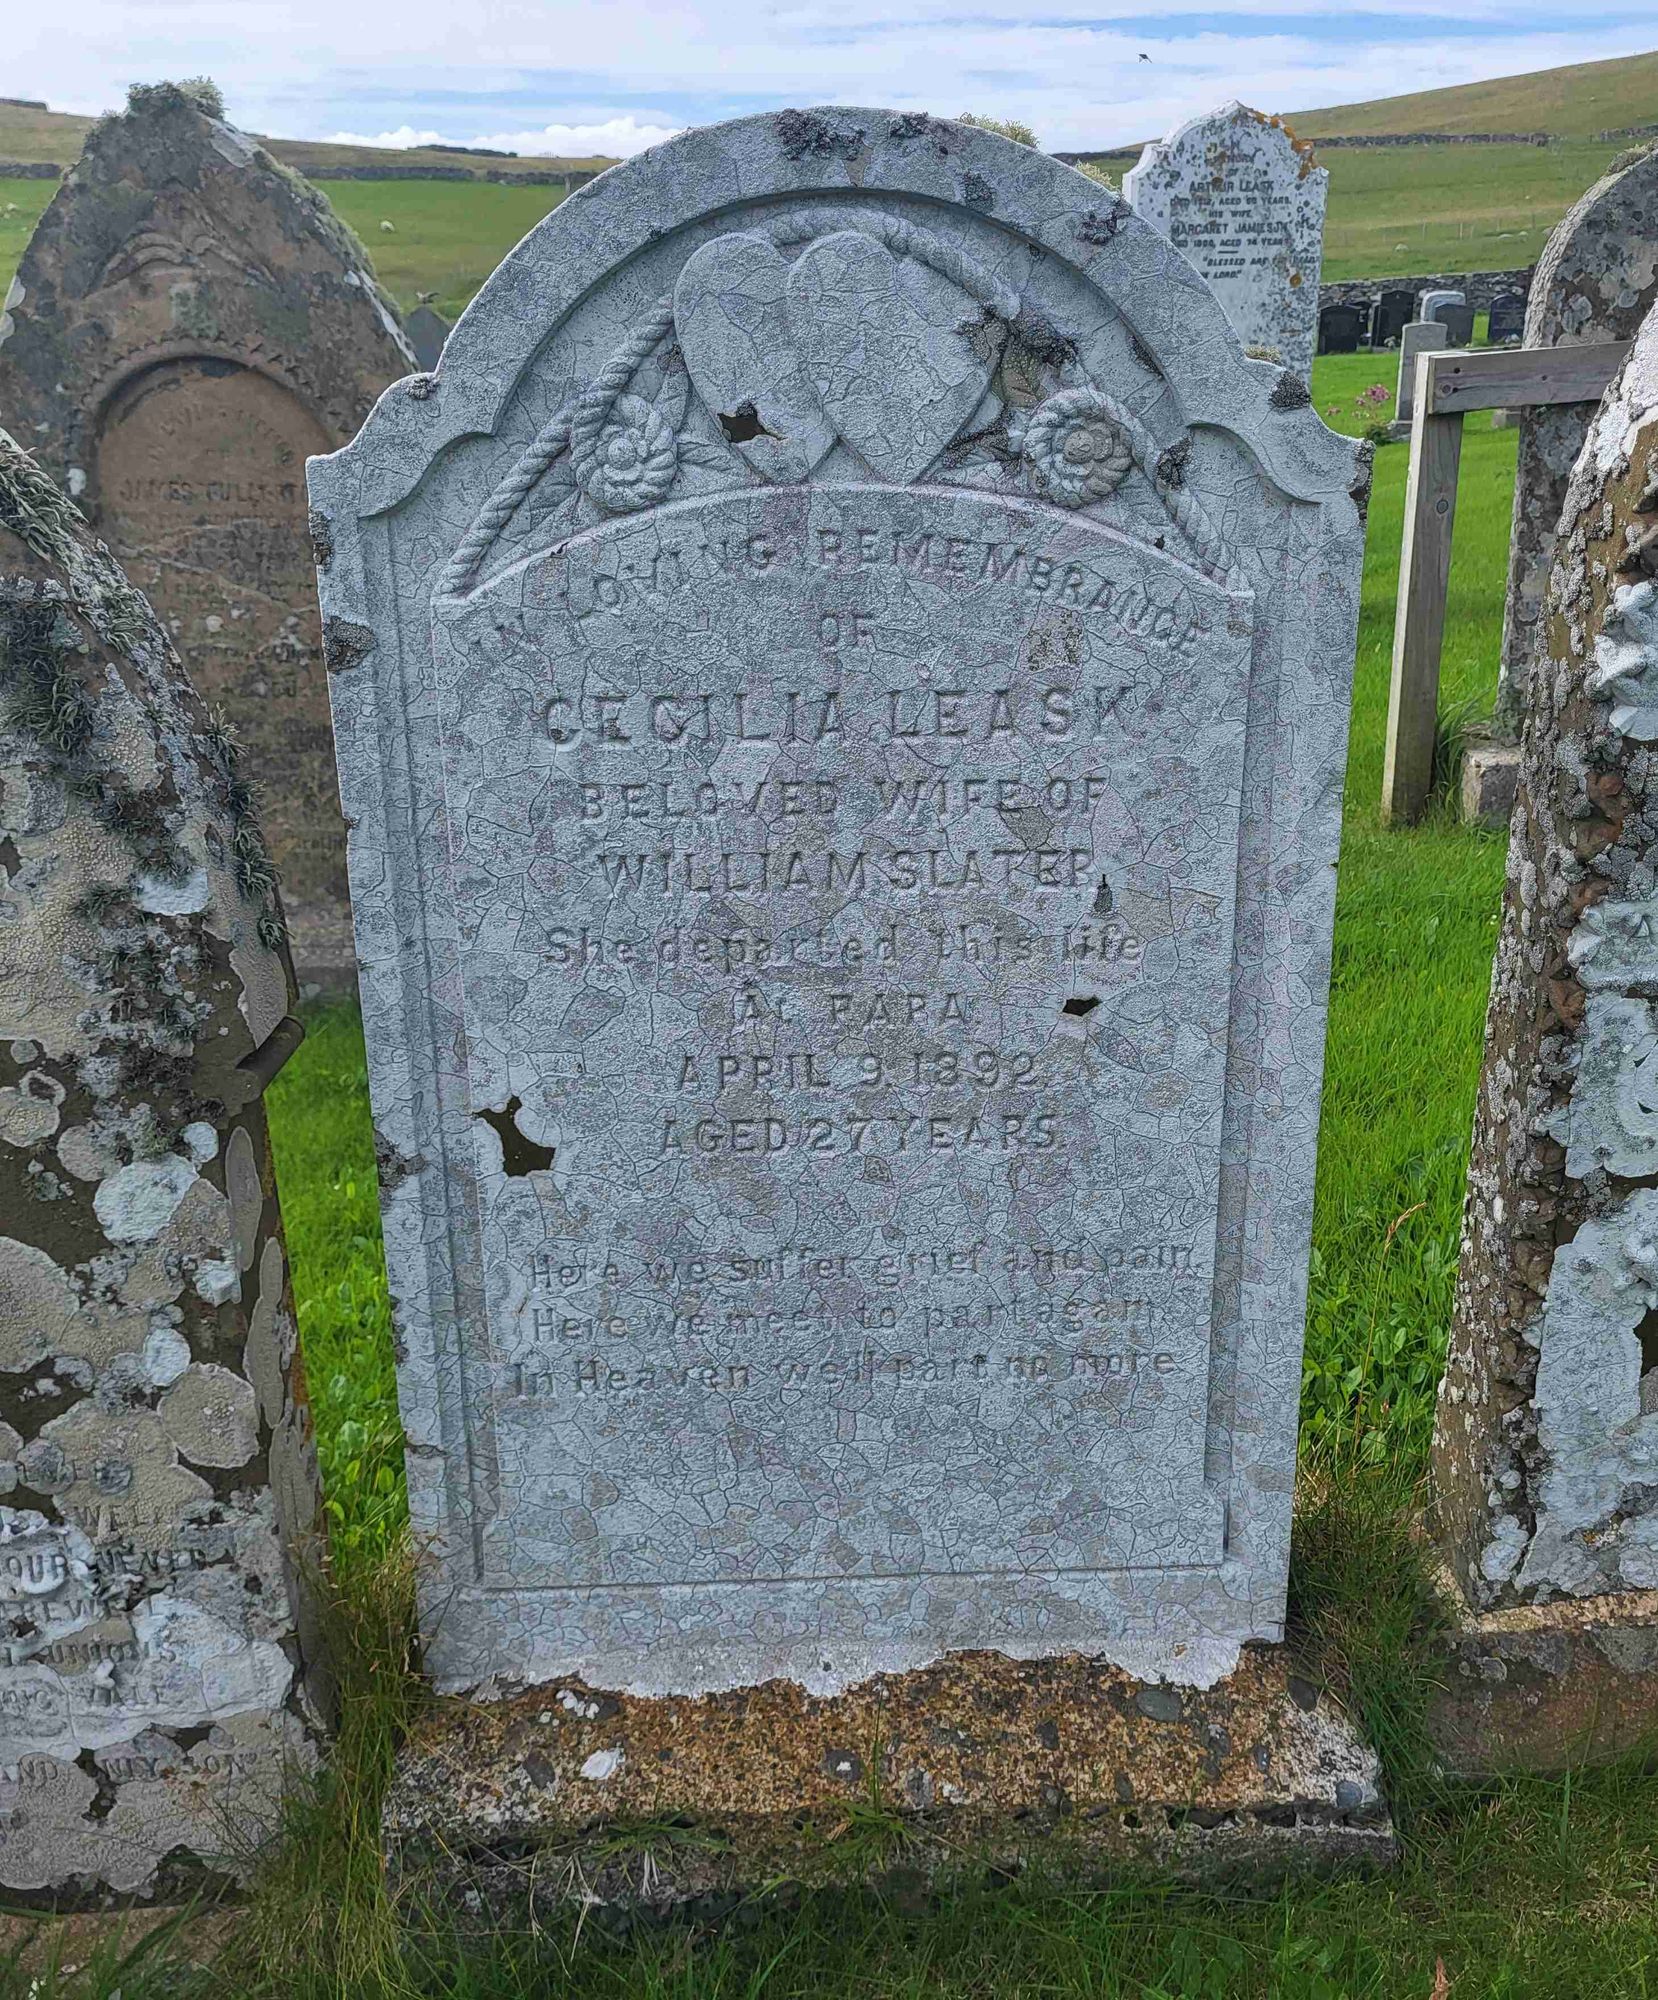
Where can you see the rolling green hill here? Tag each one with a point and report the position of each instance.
(1394, 210)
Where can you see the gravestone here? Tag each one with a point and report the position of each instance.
(1458, 322)
(1421, 336)
(1393, 312)
(1506, 323)
(155, 1458)
(841, 849)
(426, 331)
(1434, 305)
(188, 324)
(1243, 202)
(1595, 281)
(1546, 1445)
(1340, 329)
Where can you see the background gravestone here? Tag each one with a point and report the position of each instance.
(1241, 199)
(1392, 313)
(1596, 280)
(1507, 321)
(867, 664)
(1421, 336)
(1457, 318)
(155, 1456)
(190, 322)
(1545, 1454)
(1340, 329)
(426, 331)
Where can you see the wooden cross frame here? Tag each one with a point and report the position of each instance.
(1448, 385)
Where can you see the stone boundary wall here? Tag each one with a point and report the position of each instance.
(1481, 287)
(30, 170)
(574, 178)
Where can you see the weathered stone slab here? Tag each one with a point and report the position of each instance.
(1596, 281)
(155, 1458)
(1422, 336)
(841, 681)
(1546, 1448)
(1239, 196)
(1066, 1765)
(189, 323)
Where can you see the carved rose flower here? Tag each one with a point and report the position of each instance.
(1073, 450)
(633, 460)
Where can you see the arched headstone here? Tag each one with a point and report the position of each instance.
(841, 681)
(190, 322)
(157, 1650)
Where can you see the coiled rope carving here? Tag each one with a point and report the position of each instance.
(581, 422)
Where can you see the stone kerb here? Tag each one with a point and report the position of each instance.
(1595, 282)
(646, 1250)
(1547, 1435)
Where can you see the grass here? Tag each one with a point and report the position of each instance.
(1531, 1888)
(446, 236)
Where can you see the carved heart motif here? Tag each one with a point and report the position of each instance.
(885, 349)
(731, 314)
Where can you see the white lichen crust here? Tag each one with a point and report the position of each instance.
(1546, 1447)
(155, 1458)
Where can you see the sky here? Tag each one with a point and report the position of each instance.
(614, 76)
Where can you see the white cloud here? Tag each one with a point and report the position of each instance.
(618, 138)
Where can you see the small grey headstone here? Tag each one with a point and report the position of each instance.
(1241, 199)
(842, 843)
(1422, 336)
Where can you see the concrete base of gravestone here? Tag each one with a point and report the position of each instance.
(1546, 1687)
(562, 1793)
(1490, 778)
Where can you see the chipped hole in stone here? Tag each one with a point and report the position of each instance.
(1102, 899)
(519, 1155)
(1647, 1335)
(1080, 1004)
(743, 425)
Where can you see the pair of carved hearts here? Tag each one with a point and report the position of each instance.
(849, 341)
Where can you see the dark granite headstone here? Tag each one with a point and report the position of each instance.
(1390, 315)
(190, 321)
(1458, 322)
(1508, 319)
(1340, 329)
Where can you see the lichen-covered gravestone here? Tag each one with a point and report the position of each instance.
(155, 1456)
(1240, 198)
(1546, 1452)
(841, 683)
(189, 323)
(1595, 282)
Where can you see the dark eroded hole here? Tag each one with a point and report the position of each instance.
(743, 424)
(1081, 1003)
(519, 1155)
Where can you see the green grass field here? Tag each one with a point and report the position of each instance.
(1534, 1888)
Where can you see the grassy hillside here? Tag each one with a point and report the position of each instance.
(1570, 103)
(30, 135)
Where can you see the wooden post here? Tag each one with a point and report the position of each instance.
(1419, 619)
(1447, 385)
